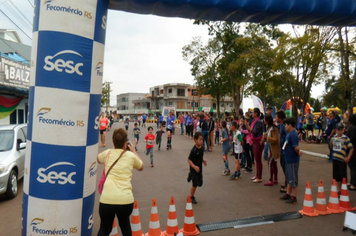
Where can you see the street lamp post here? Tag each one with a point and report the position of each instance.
(193, 98)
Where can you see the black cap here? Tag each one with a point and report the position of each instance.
(340, 125)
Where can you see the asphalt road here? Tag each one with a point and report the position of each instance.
(219, 199)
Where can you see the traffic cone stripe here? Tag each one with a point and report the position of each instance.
(333, 188)
(135, 212)
(189, 206)
(320, 201)
(308, 203)
(189, 220)
(154, 210)
(308, 191)
(172, 223)
(344, 198)
(114, 231)
(136, 227)
(154, 225)
(344, 186)
(172, 208)
(333, 200)
(320, 189)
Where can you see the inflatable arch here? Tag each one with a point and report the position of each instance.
(65, 90)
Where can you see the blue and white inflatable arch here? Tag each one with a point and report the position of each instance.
(65, 93)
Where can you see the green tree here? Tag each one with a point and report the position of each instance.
(203, 60)
(105, 94)
(302, 61)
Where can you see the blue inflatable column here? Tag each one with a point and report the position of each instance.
(65, 97)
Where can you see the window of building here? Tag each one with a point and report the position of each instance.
(181, 92)
(148, 105)
(161, 91)
(123, 99)
(222, 104)
(214, 105)
(170, 103)
(194, 92)
(188, 103)
(231, 105)
(195, 104)
(170, 90)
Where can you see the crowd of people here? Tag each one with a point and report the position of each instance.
(249, 137)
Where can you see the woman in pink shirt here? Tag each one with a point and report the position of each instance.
(247, 138)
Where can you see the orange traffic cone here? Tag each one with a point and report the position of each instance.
(334, 206)
(135, 221)
(344, 197)
(154, 228)
(114, 231)
(308, 205)
(189, 223)
(321, 207)
(172, 222)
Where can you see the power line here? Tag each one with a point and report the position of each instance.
(31, 4)
(20, 12)
(17, 16)
(16, 25)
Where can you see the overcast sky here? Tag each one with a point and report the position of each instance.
(141, 51)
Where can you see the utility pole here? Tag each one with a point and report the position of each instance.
(107, 85)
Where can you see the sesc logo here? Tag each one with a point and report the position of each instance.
(54, 177)
(92, 169)
(97, 122)
(103, 24)
(58, 64)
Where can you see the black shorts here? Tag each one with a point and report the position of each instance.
(170, 130)
(292, 174)
(197, 179)
(339, 170)
(102, 131)
(310, 127)
(238, 156)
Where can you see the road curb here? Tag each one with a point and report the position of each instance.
(315, 154)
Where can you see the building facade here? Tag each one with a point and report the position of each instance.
(132, 103)
(14, 78)
(184, 97)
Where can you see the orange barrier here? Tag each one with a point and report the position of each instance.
(135, 221)
(321, 206)
(344, 197)
(154, 228)
(114, 231)
(189, 223)
(308, 205)
(334, 206)
(172, 222)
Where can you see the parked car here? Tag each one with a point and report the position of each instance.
(12, 157)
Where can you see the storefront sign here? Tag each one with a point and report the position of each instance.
(14, 74)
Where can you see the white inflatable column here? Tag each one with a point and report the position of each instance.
(64, 107)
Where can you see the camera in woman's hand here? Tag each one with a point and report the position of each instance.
(128, 145)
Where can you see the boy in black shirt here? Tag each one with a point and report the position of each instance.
(159, 136)
(196, 162)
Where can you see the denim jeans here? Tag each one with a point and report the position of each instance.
(182, 128)
(205, 138)
(330, 149)
(265, 152)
